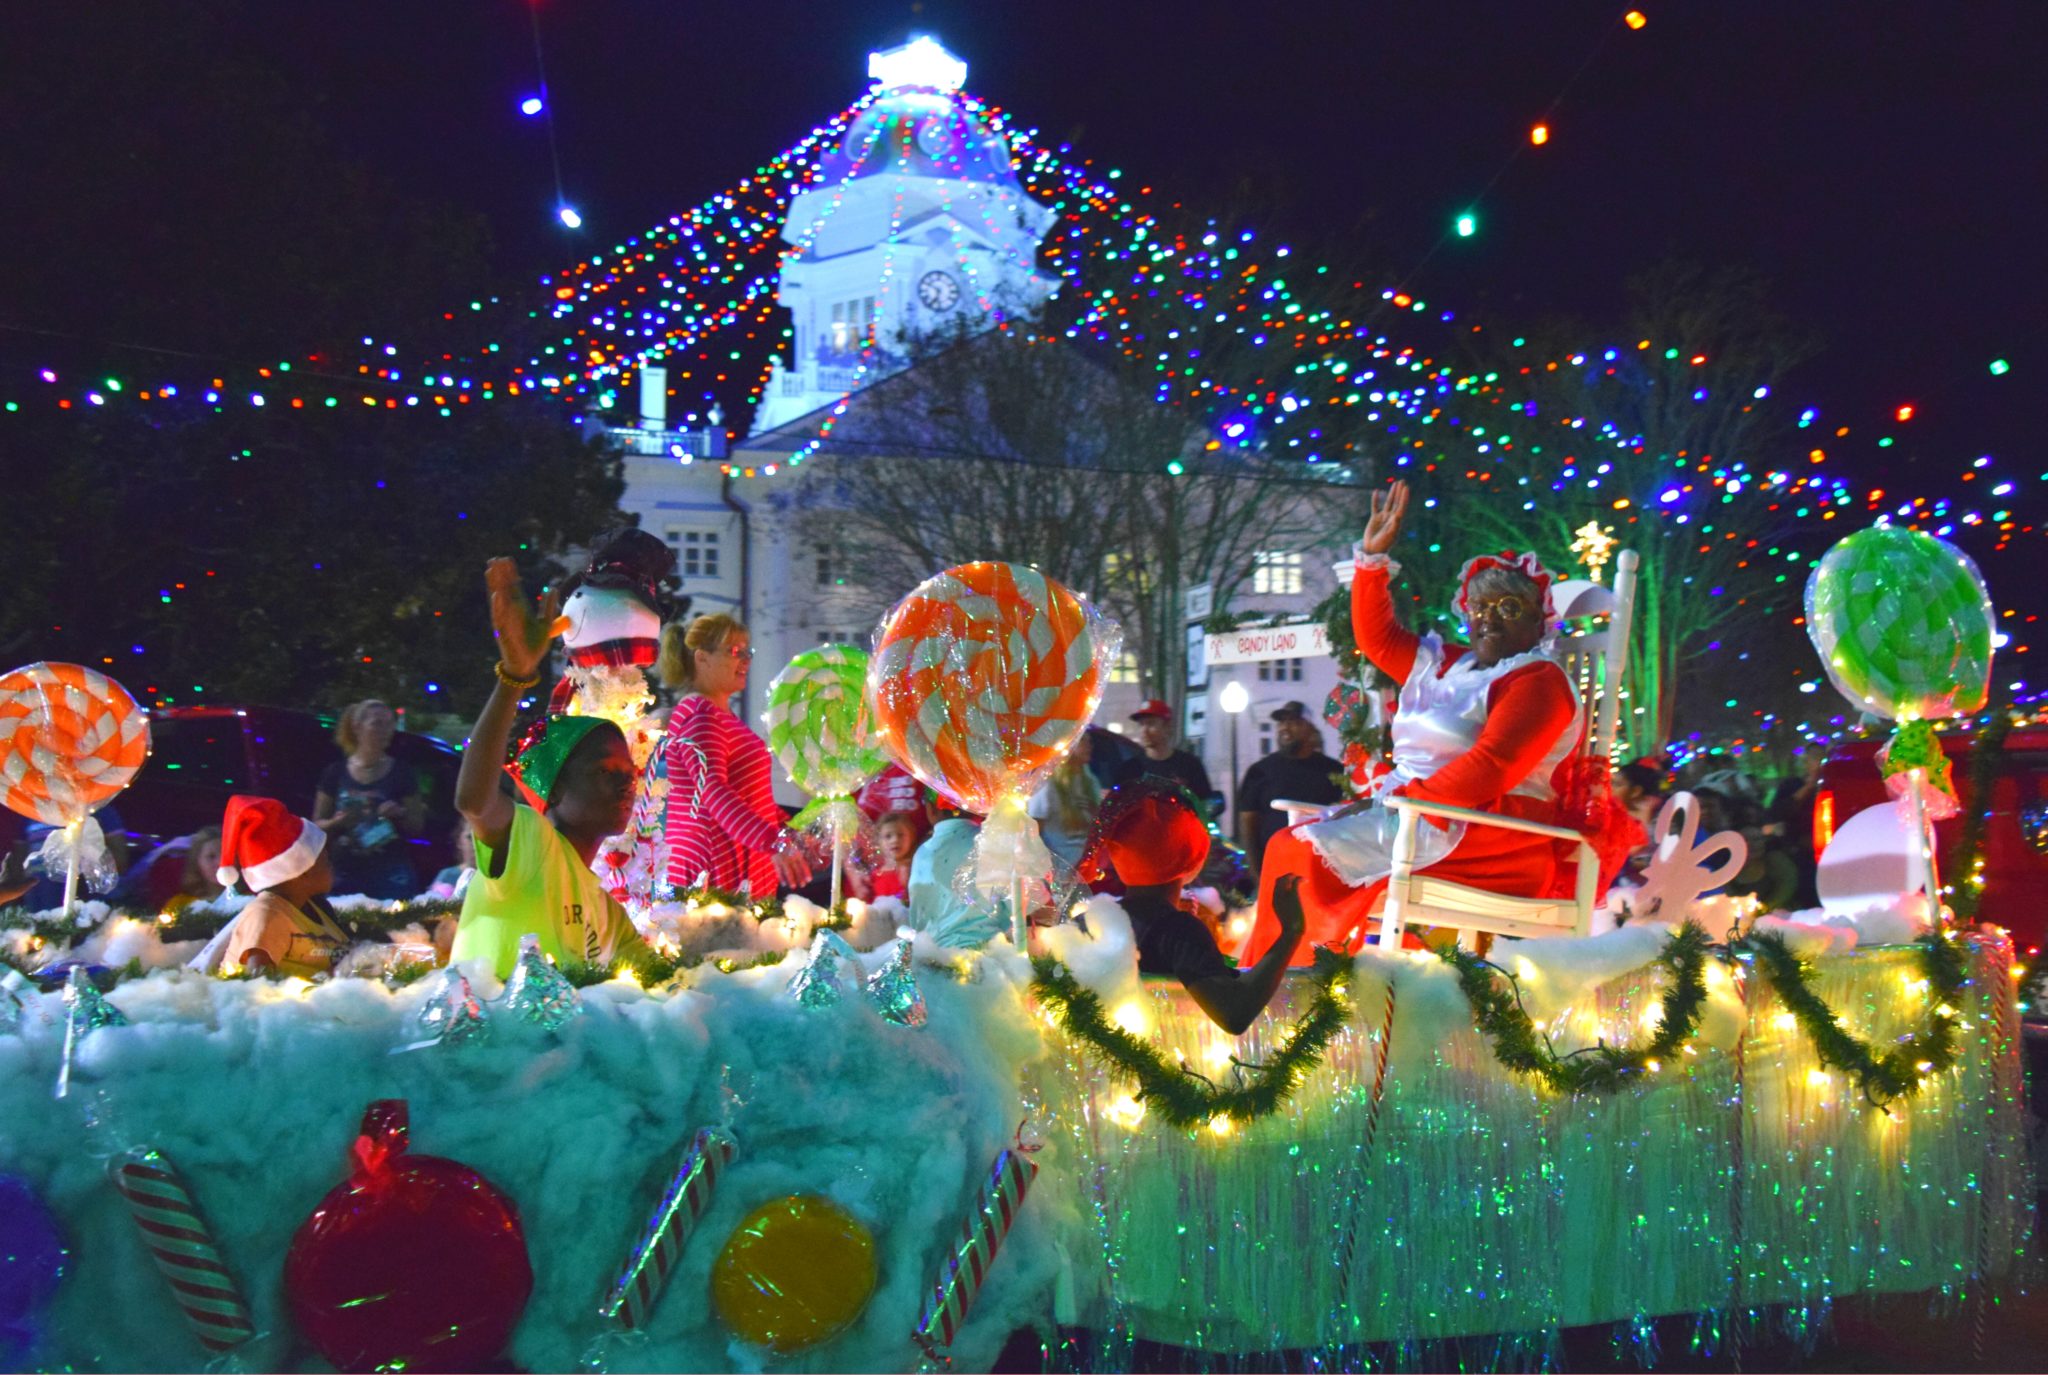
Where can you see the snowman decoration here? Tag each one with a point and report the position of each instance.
(611, 634)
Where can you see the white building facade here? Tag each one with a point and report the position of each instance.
(918, 223)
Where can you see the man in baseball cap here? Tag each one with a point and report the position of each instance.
(1157, 757)
(1296, 771)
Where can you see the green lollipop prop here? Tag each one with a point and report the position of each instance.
(821, 732)
(1904, 627)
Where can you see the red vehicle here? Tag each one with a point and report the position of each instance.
(2015, 835)
(201, 756)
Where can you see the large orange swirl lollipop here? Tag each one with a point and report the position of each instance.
(70, 739)
(983, 677)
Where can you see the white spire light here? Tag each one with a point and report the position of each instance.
(923, 61)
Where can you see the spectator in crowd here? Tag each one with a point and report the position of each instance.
(1792, 811)
(1065, 804)
(1768, 874)
(723, 825)
(1158, 757)
(453, 881)
(1639, 788)
(370, 805)
(1297, 770)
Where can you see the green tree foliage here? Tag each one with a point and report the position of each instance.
(281, 557)
(1668, 436)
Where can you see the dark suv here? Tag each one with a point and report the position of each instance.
(201, 756)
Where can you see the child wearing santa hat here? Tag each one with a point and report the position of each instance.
(1151, 834)
(577, 779)
(289, 929)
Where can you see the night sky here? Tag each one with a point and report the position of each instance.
(1881, 162)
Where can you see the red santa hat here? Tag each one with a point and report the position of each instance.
(1527, 564)
(1150, 833)
(263, 843)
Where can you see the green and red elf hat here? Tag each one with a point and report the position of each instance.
(538, 758)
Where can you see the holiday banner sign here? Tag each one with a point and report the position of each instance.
(1298, 640)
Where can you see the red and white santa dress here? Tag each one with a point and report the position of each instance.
(1497, 738)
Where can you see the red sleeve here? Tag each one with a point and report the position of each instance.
(1529, 709)
(699, 763)
(1381, 638)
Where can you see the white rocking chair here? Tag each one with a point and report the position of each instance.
(1595, 660)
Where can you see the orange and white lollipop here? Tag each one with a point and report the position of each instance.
(70, 739)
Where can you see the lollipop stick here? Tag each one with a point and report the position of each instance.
(71, 867)
(838, 871)
(1921, 872)
(1020, 925)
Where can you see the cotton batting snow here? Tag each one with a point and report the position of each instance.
(256, 1089)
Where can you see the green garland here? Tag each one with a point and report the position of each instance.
(1183, 1098)
(760, 909)
(202, 921)
(1601, 1068)
(1965, 888)
(1898, 1072)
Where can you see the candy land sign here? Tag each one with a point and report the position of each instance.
(1299, 640)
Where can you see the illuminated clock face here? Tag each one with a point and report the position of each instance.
(938, 291)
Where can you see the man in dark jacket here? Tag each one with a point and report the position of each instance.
(1297, 770)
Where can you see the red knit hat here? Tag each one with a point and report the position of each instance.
(1527, 564)
(1150, 834)
(263, 844)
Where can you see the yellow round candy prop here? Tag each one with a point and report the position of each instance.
(797, 1271)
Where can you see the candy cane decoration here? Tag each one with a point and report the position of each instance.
(981, 1236)
(682, 1206)
(184, 1250)
(1347, 1241)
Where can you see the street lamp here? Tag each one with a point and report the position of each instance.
(1234, 699)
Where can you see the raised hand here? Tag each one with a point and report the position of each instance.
(522, 636)
(1383, 527)
(1287, 906)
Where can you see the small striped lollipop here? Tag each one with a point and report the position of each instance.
(70, 739)
(819, 728)
(983, 677)
(184, 1250)
(981, 1237)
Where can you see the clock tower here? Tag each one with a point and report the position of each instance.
(915, 223)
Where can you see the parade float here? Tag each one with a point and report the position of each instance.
(822, 1141)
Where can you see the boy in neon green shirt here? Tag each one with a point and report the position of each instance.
(576, 773)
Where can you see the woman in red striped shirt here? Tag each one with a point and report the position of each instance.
(723, 826)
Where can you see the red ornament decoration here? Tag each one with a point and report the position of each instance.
(415, 1263)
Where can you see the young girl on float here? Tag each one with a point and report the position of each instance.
(896, 839)
(576, 776)
(1493, 725)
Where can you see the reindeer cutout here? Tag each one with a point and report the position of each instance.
(1679, 864)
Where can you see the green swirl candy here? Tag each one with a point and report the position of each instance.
(819, 726)
(1903, 624)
